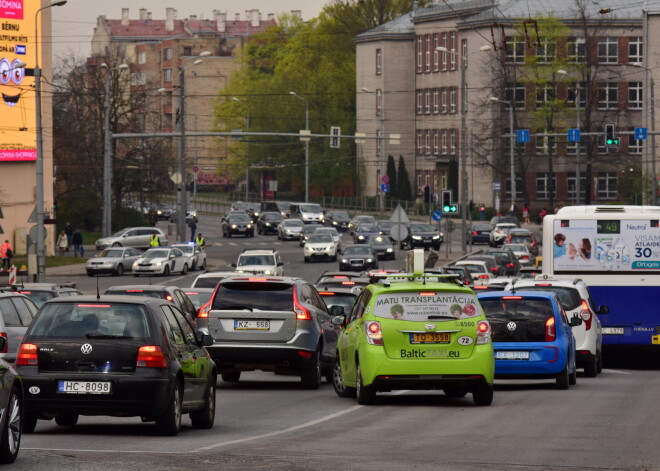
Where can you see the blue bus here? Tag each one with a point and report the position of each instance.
(616, 251)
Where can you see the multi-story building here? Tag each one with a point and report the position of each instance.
(451, 77)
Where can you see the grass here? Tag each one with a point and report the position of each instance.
(51, 262)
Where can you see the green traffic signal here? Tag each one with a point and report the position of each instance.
(450, 208)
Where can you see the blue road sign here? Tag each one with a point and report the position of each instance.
(574, 135)
(436, 216)
(384, 187)
(641, 133)
(523, 135)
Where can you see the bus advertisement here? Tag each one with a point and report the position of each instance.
(615, 250)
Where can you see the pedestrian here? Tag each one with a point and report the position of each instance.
(525, 213)
(542, 214)
(154, 240)
(6, 253)
(193, 228)
(482, 212)
(77, 241)
(62, 243)
(199, 240)
(68, 230)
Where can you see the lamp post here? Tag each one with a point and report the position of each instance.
(39, 193)
(464, 172)
(381, 151)
(247, 161)
(106, 222)
(577, 150)
(511, 148)
(649, 106)
(306, 144)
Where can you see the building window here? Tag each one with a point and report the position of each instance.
(545, 94)
(452, 48)
(443, 41)
(546, 50)
(419, 102)
(572, 147)
(515, 94)
(635, 96)
(544, 185)
(436, 53)
(419, 180)
(577, 90)
(436, 141)
(427, 141)
(635, 50)
(142, 57)
(608, 50)
(379, 61)
(607, 183)
(187, 51)
(419, 54)
(436, 101)
(142, 79)
(452, 141)
(464, 53)
(443, 109)
(571, 184)
(515, 49)
(167, 75)
(427, 54)
(635, 146)
(168, 54)
(379, 102)
(419, 142)
(452, 100)
(379, 144)
(519, 188)
(444, 142)
(577, 50)
(544, 144)
(608, 95)
(427, 101)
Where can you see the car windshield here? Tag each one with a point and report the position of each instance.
(369, 219)
(245, 260)
(156, 254)
(111, 253)
(367, 228)
(517, 247)
(482, 227)
(308, 229)
(521, 238)
(91, 320)
(340, 215)
(421, 228)
(357, 250)
(327, 230)
(320, 239)
(292, 223)
(240, 206)
(239, 218)
(518, 320)
(120, 233)
(273, 217)
(473, 268)
(385, 224)
(311, 208)
(38, 297)
(379, 241)
(254, 296)
(505, 227)
(426, 306)
(135, 292)
(570, 297)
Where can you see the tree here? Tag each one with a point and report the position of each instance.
(391, 173)
(405, 190)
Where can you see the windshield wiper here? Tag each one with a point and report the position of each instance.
(107, 336)
(447, 316)
(237, 308)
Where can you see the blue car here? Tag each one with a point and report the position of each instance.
(363, 232)
(532, 336)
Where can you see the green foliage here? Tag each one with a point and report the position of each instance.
(403, 181)
(391, 172)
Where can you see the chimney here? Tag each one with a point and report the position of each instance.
(143, 14)
(271, 16)
(237, 17)
(149, 16)
(124, 16)
(220, 18)
(256, 18)
(170, 16)
(193, 17)
(296, 13)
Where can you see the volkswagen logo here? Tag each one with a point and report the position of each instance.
(511, 326)
(429, 326)
(86, 349)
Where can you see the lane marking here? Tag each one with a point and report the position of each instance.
(617, 372)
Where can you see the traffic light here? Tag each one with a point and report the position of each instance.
(610, 135)
(447, 205)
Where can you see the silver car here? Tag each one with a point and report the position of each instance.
(290, 229)
(113, 260)
(161, 261)
(196, 255)
(138, 237)
(16, 313)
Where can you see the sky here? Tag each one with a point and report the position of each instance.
(73, 23)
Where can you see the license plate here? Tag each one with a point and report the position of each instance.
(613, 331)
(500, 355)
(430, 337)
(84, 387)
(251, 325)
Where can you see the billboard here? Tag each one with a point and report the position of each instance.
(18, 122)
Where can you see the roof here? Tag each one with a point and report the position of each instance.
(401, 27)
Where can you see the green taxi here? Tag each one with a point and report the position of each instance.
(414, 331)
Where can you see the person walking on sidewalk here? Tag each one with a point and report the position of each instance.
(77, 241)
(68, 230)
(6, 253)
(62, 243)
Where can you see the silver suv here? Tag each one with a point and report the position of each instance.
(16, 313)
(259, 262)
(271, 324)
(576, 299)
(138, 237)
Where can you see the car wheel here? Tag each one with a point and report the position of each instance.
(120, 270)
(591, 368)
(232, 377)
(11, 433)
(311, 373)
(90, 273)
(169, 423)
(599, 368)
(205, 417)
(306, 259)
(365, 394)
(184, 270)
(454, 391)
(116, 244)
(572, 377)
(562, 379)
(66, 419)
(29, 422)
(166, 270)
(203, 265)
(483, 394)
(338, 381)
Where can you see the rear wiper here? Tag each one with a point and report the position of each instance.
(236, 308)
(447, 316)
(107, 336)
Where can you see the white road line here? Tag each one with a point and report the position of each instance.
(617, 372)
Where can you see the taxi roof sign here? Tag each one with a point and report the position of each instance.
(415, 262)
(545, 277)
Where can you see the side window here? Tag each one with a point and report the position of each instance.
(132, 233)
(184, 302)
(9, 313)
(360, 303)
(24, 312)
(175, 333)
(188, 332)
(316, 300)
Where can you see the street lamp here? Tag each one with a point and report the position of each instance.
(577, 150)
(306, 144)
(511, 148)
(247, 161)
(106, 222)
(464, 172)
(39, 193)
(649, 106)
(381, 150)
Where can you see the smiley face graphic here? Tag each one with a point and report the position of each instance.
(11, 74)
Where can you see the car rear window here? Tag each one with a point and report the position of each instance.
(208, 281)
(570, 297)
(426, 306)
(345, 300)
(91, 320)
(254, 295)
(517, 320)
(136, 292)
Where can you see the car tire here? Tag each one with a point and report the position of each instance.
(205, 417)
(90, 273)
(184, 270)
(306, 259)
(311, 373)
(169, 423)
(232, 377)
(366, 395)
(572, 377)
(203, 265)
(483, 394)
(11, 432)
(166, 270)
(29, 422)
(116, 244)
(562, 379)
(591, 368)
(120, 270)
(599, 362)
(455, 391)
(338, 380)
(66, 419)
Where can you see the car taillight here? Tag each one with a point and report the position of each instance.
(302, 313)
(550, 330)
(524, 257)
(586, 315)
(495, 270)
(475, 233)
(204, 310)
(483, 277)
(483, 332)
(4, 350)
(510, 265)
(374, 333)
(169, 298)
(150, 356)
(27, 355)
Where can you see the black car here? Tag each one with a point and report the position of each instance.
(422, 235)
(39, 293)
(358, 257)
(382, 247)
(237, 224)
(344, 297)
(268, 221)
(12, 406)
(480, 233)
(172, 294)
(508, 259)
(337, 219)
(307, 230)
(385, 227)
(118, 356)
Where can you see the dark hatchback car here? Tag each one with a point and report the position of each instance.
(382, 247)
(268, 222)
(172, 294)
(480, 233)
(422, 235)
(118, 356)
(358, 257)
(337, 219)
(237, 224)
(11, 404)
(507, 259)
(39, 293)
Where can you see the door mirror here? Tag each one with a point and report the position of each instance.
(205, 340)
(603, 310)
(337, 310)
(339, 320)
(575, 321)
(233, 265)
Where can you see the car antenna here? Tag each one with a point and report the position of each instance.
(513, 285)
(98, 294)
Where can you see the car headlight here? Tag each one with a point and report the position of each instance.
(390, 250)
(135, 263)
(369, 260)
(436, 237)
(158, 264)
(249, 226)
(344, 260)
(361, 237)
(417, 237)
(234, 226)
(268, 272)
(334, 223)
(268, 224)
(256, 214)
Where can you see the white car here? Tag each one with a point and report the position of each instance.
(320, 246)
(499, 233)
(576, 300)
(113, 260)
(479, 270)
(259, 262)
(161, 261)
(196, 255)
(290, 229)
(333, 232)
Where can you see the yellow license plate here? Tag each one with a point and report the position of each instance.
(430, 337)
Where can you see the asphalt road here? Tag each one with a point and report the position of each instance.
(268, 422)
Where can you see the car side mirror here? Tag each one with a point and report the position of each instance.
(339, 320)
(280, 264)
(233, 265)
(575, 321)
(337, 310)
(3, 342)
(603, 310)
(205, 340)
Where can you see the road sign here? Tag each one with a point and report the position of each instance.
(399, 215)
(398, 232)
(385, 188)
(385, 179)
(176, 178)
(573, 135)
(641, 133)
(523, 135)
(436, 216)
(304, 135)
(497, 186)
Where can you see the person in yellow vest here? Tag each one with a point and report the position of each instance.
(155, 240)
(199, 240)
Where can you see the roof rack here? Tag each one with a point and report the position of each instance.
(388, 278)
